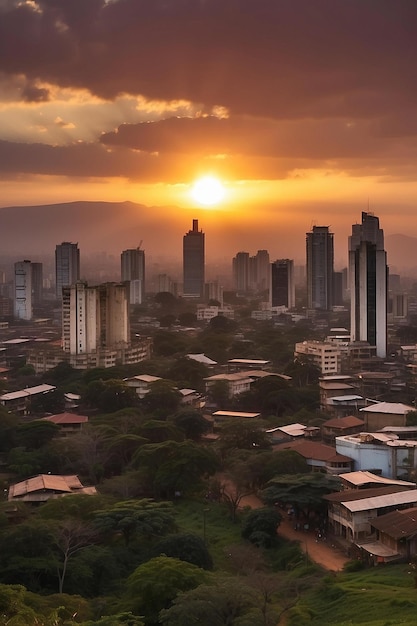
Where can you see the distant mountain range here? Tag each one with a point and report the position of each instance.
(34, 231)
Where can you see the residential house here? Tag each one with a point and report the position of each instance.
(381, 414)
(339, 426)
(18, 402)
(141, 383)
(395, 537)
(366, 480)
(351, 513)
(319, 457)
(69, 423)
(44, 487)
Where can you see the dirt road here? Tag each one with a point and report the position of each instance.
(321, 552)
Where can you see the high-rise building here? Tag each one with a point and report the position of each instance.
(282, 285)
(240, 266)
(133, 270)
(263, 267)
(320, 264)
(37, 283)
(23, 297)
(193, 262)
(67, 266)
(95, 318)
(368, 275)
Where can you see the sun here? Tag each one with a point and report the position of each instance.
(208, 191)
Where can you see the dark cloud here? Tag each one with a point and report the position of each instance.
(277, 58)
(327, 84)
(32, 93)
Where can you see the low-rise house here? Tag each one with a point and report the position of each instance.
(351, 513)
(191, 397)
(222, 416)
(341, 406)
(339, 426)
(44, 487)
(290, 432)
(319, 457)
(141, 383)
(336, 385)
(235, 365)
(382, 453)
(395, 537)
(237, 383)
(69, 423)
(381, 414)
(18, 402)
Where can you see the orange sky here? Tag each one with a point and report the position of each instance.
(305, 110)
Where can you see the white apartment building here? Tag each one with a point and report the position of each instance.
(326, 356)
(23, 290)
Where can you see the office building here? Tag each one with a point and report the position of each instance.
(368, 275)
(240, 267)
(67, 266)
(263, 267)
(320, 264)
(133, 270)
(193, 262)
(37, 283)
(23, 297)
(282, 286)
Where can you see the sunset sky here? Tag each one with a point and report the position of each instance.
(306, 110)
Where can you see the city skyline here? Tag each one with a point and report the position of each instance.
(305, 112)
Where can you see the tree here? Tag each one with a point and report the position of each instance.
(162, 399)
(218, 394)
(155, 584)
(191, 423)
(35, 434)
(303, 491)
(243, 434)
(51, 402)
(175, 467)
(69, 537)
(186, 547)
(133, 518)
(188, 318)
(260, 527)
(223, 601)
(109, 396)
(222, 324)
(188, 373)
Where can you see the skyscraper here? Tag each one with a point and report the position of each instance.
(320, 263)
(23, 300)
(282, 286)
(240, 266)
(67, 266)
(368, 277)
(193, 262)
(133, 270)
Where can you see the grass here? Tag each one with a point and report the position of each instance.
(211, 521)
(381, 596)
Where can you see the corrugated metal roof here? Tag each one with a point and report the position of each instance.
(364, 477)
(397, 524)
(344, 422)
(409, 496)
(394, 408)
(30, 391)
(350, 495)
(42, 482)
(66, 418)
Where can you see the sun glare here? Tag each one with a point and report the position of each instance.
(208, 191)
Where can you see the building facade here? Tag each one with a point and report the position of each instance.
(194, 262)
(23, 296)
(133, 270)
(368, 274)
(282, 285)
(320, 267)
(67, 266)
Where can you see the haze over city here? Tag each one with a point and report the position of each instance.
(303, 112)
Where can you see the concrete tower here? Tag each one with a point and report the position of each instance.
(368, 276)
(193, 262)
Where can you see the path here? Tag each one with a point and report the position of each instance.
(321, 552)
